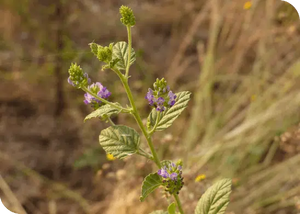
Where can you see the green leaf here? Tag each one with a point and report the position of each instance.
(103, 112)
(120, 141)
(166, 118)
(150, 183)
(215, 199)
(159, 212)
(120, 51)
(172, 208)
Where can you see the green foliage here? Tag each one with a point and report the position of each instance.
(103, 112)
(172, 208)
(120, 141)
(166, 118)
(150, 183)
(128, 18)
(120, 52)
(215, 199)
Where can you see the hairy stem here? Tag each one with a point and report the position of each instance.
(139, 122)
(110, 121)
(155, 125)
(129, 51)
(147, 135)
(178, 203)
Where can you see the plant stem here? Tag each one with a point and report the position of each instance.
(124, 110)
(129, 51)
(155, 125)
(139, 121)
(147, 135)
(178, 203)
(110, 121)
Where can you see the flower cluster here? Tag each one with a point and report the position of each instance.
(100, 90)
(171, 177)
(77, 78)
(161, 97)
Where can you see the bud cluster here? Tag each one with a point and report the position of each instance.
(171, 176)
(77, 77)
(104, 54)
(128, 18)
(161, 97)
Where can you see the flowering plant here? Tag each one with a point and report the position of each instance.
(119, 141)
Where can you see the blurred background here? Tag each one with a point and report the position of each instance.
(239, 58)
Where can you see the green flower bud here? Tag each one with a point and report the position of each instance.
(104, 54)
(128, 18)
(94, 48)
(179, 163)
(77, 77)
(161, 87)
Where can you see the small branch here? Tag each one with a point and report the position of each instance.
(145, 154)
(155, 125)
(110, 121)
(124, 110)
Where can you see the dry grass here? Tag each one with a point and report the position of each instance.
(241, 65)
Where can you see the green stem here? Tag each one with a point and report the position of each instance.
(129, 51)
(138, 119)
(124, 110)
(144, 153)
(140, 123)
(110, 121)
(155, 125)
(134, 112)
(178, 203)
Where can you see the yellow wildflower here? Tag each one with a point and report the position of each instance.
(110, 157)
(200, 178)
(253, 97)
(247, 5)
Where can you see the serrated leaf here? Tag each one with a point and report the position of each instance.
(150, 183)
(215, 199)
(159, 212)
(172, 208)
(167, 117)
(120, 141)
(103, 112)
(120, 51)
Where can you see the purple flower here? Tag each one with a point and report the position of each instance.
(161, 97)
(98, 89)
(87, 77)
(173, 176)
(172, 98)
(70, 82)
(163, 173)
(150, 97)
(160, 104)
